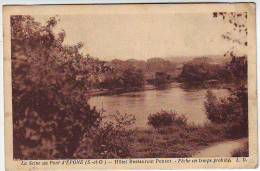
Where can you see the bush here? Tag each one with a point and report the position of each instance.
(230, 112)
(110, 140)
(164, 118)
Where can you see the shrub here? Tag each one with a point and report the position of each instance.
(110, 140)
(165, 118)
(230, 111)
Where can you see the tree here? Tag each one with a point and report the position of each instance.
(230, 111)
(239, 31)
(238, 68)
(233, 110)
(50, 82)
(132, 78)
(123, 78)
(161, 78)
(199, 70)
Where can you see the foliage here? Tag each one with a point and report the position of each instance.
(132, 78)
(161, 78)
(198, 72)
(239, 30)
(109, 140)
(50, 82)
(127, 78)
(238, 68)
(231, 111)
(201, 71)
(142, 70)
(164, 118)
(159, 65)
(149, 66)
(175, 141)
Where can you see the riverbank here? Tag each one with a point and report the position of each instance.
(176, 141)
(103, 92)
(184, 85)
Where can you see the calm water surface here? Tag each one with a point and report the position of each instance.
(184, 101)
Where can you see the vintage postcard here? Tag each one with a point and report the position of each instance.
(130, 86)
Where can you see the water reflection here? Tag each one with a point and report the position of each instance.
(174, 97)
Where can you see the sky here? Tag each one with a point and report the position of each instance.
(145, 35)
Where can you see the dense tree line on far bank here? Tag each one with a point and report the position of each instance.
(201, 70)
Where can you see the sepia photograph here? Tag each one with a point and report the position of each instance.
(130, 81)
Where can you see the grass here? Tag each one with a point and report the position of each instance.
(174, 141)
(168, 136)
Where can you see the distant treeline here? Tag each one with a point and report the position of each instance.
(158, 71)
(202, 70)
(135, 73)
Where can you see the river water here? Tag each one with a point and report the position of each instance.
(188, 102)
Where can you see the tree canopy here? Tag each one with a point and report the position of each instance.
(50, 83)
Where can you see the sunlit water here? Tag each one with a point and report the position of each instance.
(184, 101)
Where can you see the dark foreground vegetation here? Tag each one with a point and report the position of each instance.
(50, 82)
(52, 119)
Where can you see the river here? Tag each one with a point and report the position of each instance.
(188, 102)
